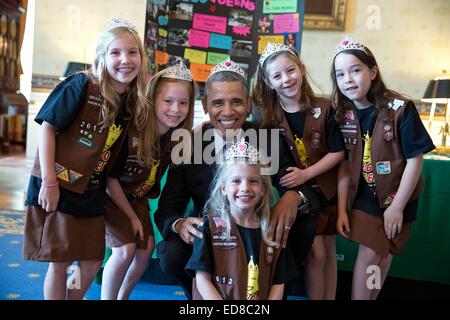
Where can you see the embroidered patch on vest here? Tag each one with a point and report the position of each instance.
(383, 167)
(63, 175)
(219, 222)
(388, 131)
(315, 138)
(218, 241)
(135, 142)
(58, 168)
(388, 136)
(269, 256)
(348, 128)
(317, 113)
(389, 199)
(252, 280)
(74, 176)
(85, 139)
(396, 104)
(349, 115)
(148, 184)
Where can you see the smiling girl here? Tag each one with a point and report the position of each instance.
(83, 121)
(307, 124)
(380, 179)
(136, 177)
(234, 259)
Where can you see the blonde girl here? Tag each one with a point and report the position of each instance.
(84, 122)
(234, 259)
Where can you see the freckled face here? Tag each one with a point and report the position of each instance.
(172, 105)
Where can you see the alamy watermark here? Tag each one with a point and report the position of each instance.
(373, 21)
(74, 277)
(374, 279)
(199, 147)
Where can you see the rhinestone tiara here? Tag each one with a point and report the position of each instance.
(228, 65)
(242, 151)
(349, 44)
(119, 22)
(272, 48)
(178, 71)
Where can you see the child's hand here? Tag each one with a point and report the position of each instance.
(48, 198)
(136, 224)
(295, 178)
(393, 220)
(342, 224)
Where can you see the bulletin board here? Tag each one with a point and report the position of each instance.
(203, 33)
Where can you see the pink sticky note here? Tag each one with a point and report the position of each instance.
(210, 23)
(286, 23)
(198, 38)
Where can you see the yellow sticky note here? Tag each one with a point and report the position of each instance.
(163, 32)
(195, 56)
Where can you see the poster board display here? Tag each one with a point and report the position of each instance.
(202, 33)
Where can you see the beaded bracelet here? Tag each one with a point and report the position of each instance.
(50, 185)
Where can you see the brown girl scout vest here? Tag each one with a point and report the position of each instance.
(78, 149)
(315, 140)
(387, 159)
(231, 267)
(140, 181)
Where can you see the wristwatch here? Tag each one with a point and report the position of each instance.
(305, 204)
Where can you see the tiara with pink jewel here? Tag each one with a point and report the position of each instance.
(349, 44)
(272, 48)
(178, 71)
(242, 151)
(228, 65)
(118, 22)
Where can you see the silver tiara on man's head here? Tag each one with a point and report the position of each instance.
(349, 44)
(178, 71)
(228, 65)
(242, 152)
(271, 48)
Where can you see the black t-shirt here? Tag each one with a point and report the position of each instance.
(121, 160)
(335, 142)
(119, 165)
(60, 109)
(414, 140)
(202, 255)
(118, 170)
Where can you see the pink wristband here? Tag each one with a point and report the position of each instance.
(50, 185)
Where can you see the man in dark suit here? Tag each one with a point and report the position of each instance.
(227, 102)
